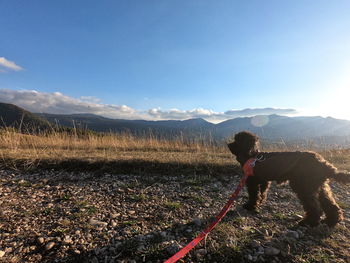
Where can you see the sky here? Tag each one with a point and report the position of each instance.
(166, 59)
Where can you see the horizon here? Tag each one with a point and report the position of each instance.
(179, 60)
(259, 120)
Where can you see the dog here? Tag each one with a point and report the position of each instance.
(308, 174)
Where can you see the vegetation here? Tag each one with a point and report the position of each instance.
(122, 197)
(109, 151)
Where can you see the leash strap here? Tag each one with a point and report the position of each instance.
(248, 171)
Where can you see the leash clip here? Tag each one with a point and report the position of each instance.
(260, 158)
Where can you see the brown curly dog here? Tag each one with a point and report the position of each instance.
(307, 173)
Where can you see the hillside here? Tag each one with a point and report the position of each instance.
(325, 131)
(14, 116)
(193, 128)
(319, 131)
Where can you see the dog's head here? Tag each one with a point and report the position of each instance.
(245, 143)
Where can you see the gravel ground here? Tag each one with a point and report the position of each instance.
(57, 216)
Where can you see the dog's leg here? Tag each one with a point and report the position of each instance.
(264, 187)
(312, 209)
(308, 196)
(253, 192)
(333, 212)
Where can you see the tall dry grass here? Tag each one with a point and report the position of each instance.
(94, 147)
(60, 146)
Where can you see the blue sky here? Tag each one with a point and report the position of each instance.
(199, 57)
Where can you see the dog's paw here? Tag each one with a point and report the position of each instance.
(331, 223)
(251, 208)
(308, 222)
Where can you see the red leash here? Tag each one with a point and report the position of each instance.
(248, 171)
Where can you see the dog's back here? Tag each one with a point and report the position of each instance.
(282, 166)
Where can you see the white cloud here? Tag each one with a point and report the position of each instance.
(260, 111)
(58, 103)
(215, 116)
(8, 65)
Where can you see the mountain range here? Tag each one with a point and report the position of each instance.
(269, 127)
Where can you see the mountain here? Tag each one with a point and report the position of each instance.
(16, 117)
(193, 128)
(269, 127)
(272, 128)
(292, 128)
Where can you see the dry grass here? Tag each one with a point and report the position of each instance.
(58, 147)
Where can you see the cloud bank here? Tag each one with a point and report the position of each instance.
(58, 103)
(6, 65)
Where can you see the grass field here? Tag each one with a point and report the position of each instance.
(58, 147)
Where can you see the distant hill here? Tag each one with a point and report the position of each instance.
(287, 127)
(323, 131)
(16, 117)
(271, 128)
(193, 128)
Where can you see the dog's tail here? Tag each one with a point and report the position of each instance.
(341, 177)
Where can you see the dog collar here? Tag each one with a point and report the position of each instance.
(248, 167)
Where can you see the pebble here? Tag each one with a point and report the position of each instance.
(67, 240)
(114, 223)
(41, 240)
(115, 215)
(49, 245)
(271, 251)
(200, 253)
(173, 248)
(197, 222)
(2, 253)
(293, 234)
(97, 223)
(255, 244)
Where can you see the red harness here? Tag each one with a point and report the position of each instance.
(248, 166)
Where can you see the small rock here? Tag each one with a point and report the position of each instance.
(67, 240)
(8, 250)
(173, 248)
(189, 230)
(2, 253)
(49, 245)
(250, 257)
(200, 253)
(197, 222)
(97, 223)
(255, 244)
(293, 234)
(114, 223)
(115, 215)
(271, 251)
(140, 247)
(41, 240)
